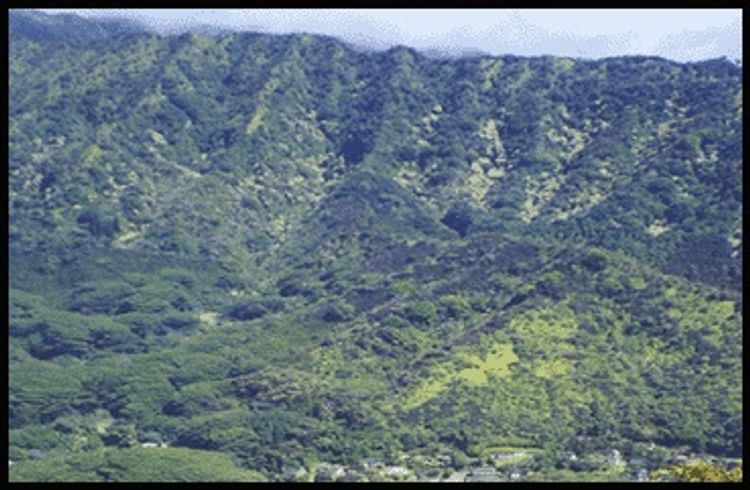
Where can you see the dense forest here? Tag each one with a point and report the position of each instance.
(253, 257)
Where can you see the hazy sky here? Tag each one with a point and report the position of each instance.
(681, 34)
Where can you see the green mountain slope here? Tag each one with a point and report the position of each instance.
(291, 253)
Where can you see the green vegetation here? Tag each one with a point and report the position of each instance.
(698, 471)
(135, 465)
(496, 364)
(233, 257)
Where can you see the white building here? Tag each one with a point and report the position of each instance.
(615, 458)
(396, 471)
(330, 472)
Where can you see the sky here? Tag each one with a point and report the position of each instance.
(678, 34)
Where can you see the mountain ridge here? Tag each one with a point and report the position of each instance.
(294, 254)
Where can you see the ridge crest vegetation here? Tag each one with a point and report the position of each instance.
(245, 256)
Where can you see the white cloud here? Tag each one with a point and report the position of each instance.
(680, 34)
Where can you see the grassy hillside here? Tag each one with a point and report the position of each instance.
(277, 252)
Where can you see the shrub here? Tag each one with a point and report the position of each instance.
(459, 218)
(421, 313)
(337, 312)
(246, 311)
(456, 306)
(97, 222)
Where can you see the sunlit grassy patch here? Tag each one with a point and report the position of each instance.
(427, 390)
(552, 368)
(496, 363)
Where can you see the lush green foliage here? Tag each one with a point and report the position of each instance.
(135, 465)
(698, 471)
(268, 252)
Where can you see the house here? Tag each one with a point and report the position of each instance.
(515, 476)
(329, 472)
(484, 474)
(338, 472)
(568, 456)
(614, 458)
(150, 444)
(396, 471)
(484, 471)
(299, 474)
(507, 456)
(732, 462)
(372, 463)
(642, 475)
(485, 479)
